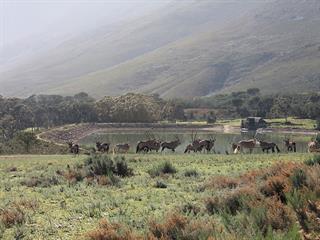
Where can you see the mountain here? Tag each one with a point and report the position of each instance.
(186, 49)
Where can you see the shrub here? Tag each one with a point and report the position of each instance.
(164, 168)
(242, 199)
(74, 175)
(110, 231)
(190, 208)
(99, 165)
(122, 169)
(11, 216)
(104, 165)
(160, 184)
(315, 160)
(213, 205)
(275, 186)
(191, 173)
(221, 182)
(176, 226)
(298, 178)
(41, 181)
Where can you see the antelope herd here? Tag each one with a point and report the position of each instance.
(198, 145)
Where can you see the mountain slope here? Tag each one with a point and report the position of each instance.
(196, 48)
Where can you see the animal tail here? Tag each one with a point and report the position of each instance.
(185, 151)
(278, 149)
(137, 149)
(294, 147)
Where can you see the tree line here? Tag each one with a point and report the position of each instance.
(46, 111)
(252, 103)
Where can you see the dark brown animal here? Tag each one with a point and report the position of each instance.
(290, 145)
(122, 148)
(149, 145)
(266, 146)
(207, 145)
(190, 148)
(103, 147)
(170, 145)
(74, 148)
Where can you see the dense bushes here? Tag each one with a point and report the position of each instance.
(274, 199)
(252, 103)
(100, 168)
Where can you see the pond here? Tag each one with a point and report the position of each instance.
(222, 144)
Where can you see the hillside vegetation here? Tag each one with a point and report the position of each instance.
(187, 49)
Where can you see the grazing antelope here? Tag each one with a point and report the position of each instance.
(121, 148)
(74, 148)
(266, 146)
(314, 147)
(190, 148)
(171, 145)
(103, 147)
(290, 145)
(249, 144)
(207, 144)
(148, 145)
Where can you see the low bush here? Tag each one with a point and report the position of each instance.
(176, 226)
(164, 168)
(221, 182)
(298, 178)
(40, 181)
(12, 215)
(275, 186)
(315, 160)
(191, 173)
(99, 168)
(110, 231)
(160, 184)
(190, 208)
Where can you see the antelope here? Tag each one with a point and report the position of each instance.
(190, 148)
(249, 144)
(122, 148)
(195, 146)
(148, 145)
(74, 148)
(314, 147)
(290, 145)
(266, 146)
(206, 144)
(103, 147)
(171, 145)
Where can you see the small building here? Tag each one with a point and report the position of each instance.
(253, 123)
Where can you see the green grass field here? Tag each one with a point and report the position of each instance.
(64, 210)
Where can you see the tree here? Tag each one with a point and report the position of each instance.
(27, 139)
(281, 107)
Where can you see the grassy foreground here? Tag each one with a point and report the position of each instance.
(54, 208)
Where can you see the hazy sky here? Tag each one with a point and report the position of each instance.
(21, 19)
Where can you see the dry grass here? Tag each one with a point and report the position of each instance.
(110, 231)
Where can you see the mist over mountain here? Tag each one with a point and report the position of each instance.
(176, 49)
